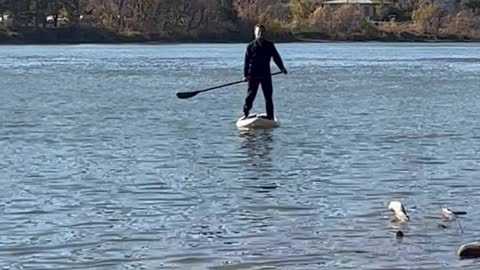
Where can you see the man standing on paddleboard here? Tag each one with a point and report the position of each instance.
(257, 70)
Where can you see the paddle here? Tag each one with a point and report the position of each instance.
(184, 95)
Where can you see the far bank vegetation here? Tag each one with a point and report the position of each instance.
(232, 20)
(395, 20)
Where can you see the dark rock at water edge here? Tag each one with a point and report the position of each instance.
(469, 251)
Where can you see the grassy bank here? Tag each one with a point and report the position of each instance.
(371, 32)
(383, 35)
(65, 35)
(78, 35)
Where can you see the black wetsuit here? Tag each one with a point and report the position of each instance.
(257, 69)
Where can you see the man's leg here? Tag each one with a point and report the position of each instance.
(251, 93)
(267, 93)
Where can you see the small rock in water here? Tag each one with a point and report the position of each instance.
(469, 251)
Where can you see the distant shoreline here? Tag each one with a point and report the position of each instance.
(72, 36)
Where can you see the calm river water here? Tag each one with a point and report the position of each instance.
(102, 167)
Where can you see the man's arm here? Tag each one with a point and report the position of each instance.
(277, 59)
(246, 64)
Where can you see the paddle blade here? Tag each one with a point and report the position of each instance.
(184, 95)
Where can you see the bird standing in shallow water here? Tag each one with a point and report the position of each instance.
(399, 211)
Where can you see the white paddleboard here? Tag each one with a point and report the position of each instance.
(257, 121)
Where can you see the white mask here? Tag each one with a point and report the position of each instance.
(259, 32)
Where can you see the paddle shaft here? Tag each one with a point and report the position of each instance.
(194, 93)
(228, 84)
(220, 86)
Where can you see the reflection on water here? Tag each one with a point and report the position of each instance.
(257, 144)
